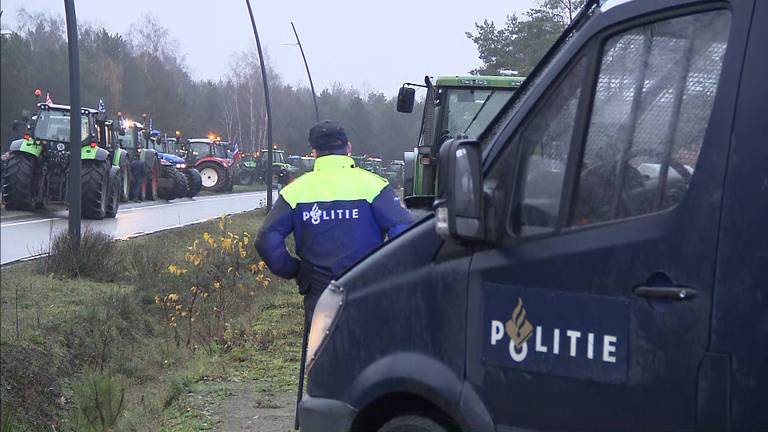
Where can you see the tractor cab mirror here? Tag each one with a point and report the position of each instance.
(25, 115)
(121, 132)
(459, 205)
(405, 99)
(18, 125)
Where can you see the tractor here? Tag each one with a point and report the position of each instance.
(454, 107)
(37, 165)
(133, 138)
(172, 151)
(211, 160)
(253, 168)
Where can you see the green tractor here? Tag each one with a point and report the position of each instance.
(252, 169)
(133, 138)
(37, 165)
(454, 107)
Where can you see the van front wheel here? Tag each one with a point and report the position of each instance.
(412, 423)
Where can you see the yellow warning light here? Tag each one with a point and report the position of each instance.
(178, 133)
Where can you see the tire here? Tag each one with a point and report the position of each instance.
(125, 178)
(20, 180)
(180, 185)
(95, 189)
(169, 194)
(230, 184)
(194, 180)
(412, 423)
(115, 191)
(244, 178)
(213, 176)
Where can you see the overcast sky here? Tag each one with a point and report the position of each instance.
(372, 45)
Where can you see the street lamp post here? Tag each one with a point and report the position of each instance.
(268, 107)
(309, 75)
(75, 140)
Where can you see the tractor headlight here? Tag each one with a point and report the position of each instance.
(181, 165)
(326, 311)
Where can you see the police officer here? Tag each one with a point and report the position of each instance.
(337, 213)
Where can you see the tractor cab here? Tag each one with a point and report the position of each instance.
(210, 158)
(454, 107)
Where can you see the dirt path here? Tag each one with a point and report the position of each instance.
(243, 409)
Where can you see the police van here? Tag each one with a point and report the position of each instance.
(596, 260)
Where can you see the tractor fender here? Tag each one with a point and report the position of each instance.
(27, 146)
(97, 153)
(120, 155)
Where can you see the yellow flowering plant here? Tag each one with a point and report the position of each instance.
(221, 273)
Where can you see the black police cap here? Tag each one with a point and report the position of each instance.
(327, 135)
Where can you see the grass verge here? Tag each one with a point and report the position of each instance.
(68, 343)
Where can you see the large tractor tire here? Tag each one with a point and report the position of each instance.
(180, 185)
(115, 190)
(21, 180)
(168, 192)
(95, 189)
(244, 178)
(152, 181)
(124, 188)
(194, 180)
(213, 176)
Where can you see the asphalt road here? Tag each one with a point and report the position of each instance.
(26, 234)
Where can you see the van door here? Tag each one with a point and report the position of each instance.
(594, 312)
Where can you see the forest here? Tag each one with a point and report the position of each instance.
(141, 72)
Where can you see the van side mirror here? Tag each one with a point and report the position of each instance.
(459, 204)
(405, 99)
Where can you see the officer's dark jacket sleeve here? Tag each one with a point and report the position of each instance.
(390, 215)
(270, 240)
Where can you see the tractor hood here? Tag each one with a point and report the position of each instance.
(171, 158)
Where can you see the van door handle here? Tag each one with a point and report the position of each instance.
(666, 292)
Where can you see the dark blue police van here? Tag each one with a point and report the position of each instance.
(597, 260)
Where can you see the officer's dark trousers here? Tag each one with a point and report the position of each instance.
(312, 283)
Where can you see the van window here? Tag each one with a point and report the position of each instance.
(545, 141)
(652, 104)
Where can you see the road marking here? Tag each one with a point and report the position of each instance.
(29, 222)
(205, 199)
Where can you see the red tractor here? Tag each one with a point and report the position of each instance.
(212, 161)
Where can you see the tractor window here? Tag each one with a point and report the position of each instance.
(469, 111)
(220, 152)
(201, 148)
(128, 141)
(54, 125)
(653, 101)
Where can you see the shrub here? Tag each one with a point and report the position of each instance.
(97, 258)
(100, 400)
(145, 263)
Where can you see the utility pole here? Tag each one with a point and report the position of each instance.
(75, 140)
(309, 75)
(268, 107)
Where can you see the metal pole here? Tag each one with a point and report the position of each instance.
(75, 140)
(268, 106)
(309, 75)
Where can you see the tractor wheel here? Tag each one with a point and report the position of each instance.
(244, 178)
(115, 190)
(21, 179)
(169, 194)
(180, 185)
(194, 180)
(213, 176)
(230, 183)
(153, 174)
(124, 187)
(95, 189)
